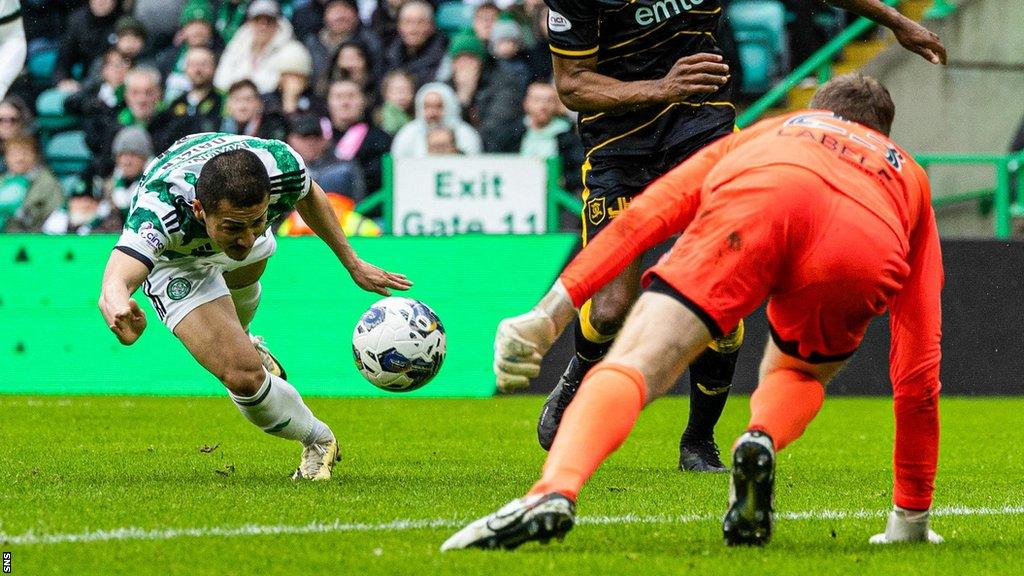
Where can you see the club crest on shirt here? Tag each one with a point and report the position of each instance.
(596, 211)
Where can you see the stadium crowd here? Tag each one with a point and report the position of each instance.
(342, 81)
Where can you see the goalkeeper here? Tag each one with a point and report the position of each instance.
(818, 212)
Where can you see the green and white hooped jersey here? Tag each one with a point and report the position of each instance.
(161, 225)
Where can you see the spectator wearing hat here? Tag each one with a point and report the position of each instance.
(85, 38)
(309, 135)
(259, 49)
(29, 191)
(198, 110)
(160, 17)
(132, 149)
(499, 102)
(419, 47)
(294, 94)
(353, 135)
(338, 25)
(399, 90)
(244, 114)
(195, 30)
(352, 61)
(467, 58)
(436, 105)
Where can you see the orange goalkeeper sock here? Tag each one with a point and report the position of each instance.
(597, 422)
(784, 404)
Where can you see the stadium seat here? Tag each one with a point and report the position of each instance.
(40, 65)
(50, 115)
(453, 17)
(66, 153)
(760, 29)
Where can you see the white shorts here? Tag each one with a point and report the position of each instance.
(177, 287)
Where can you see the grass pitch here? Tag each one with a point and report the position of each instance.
(110, 485)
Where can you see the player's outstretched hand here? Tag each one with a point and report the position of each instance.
(523, 341)
(702, 73)
(374, 279)
(127, 323)
(907, 526)
(920, 40)
(519, 347)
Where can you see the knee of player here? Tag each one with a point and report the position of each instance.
(608, 315)
(243, 378)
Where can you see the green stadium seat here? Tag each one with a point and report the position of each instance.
(40, 65)
(50, 115)
(452, 17)
(67, 154)
(760, 30)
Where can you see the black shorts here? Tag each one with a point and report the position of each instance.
(610, 184)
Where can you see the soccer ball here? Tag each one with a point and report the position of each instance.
(399, 344)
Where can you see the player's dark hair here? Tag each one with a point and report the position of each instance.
(857, 98)
(237, 176)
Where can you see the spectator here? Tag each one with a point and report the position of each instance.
(29, 191)
(550, 134)
(396, 111)
(245, 114)
(499, 103)
(441, 140)
(132, 149)
(436, 105)
(159, 18)
(467, 55)
(384, 22)
(130, 37)
(83, 213)
(307, 136)
(294, 94)
(85, 39)
(354, 137)
(419, 47)
(198, 110)
(99, 100)
(196, 31)
(15, 120)
(351, 62)
(142, 94)
(484, 18)
(339, 24)
(259, 49)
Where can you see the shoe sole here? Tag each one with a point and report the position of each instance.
(749, 519)
(541, 527)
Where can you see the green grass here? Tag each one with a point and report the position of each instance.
(75, 465)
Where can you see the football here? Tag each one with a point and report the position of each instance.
(399, 344)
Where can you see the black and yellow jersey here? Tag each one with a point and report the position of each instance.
(641, 40)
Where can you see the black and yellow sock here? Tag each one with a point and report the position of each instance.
(591, 346)
(710, 382)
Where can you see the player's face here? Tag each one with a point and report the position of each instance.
(234, 230)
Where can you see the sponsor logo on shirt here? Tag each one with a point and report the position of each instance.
(559, 23)
(663, 10)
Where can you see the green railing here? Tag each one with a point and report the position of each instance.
(558, 197)
(1004, 202)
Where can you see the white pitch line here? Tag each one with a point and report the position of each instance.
(337, 526)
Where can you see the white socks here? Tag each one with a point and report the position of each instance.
(246, 300)
(278, 410)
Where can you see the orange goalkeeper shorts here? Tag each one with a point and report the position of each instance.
(826, 264)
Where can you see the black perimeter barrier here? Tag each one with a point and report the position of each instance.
(982, 331)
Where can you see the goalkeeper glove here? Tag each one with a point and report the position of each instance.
(523, 340)
(906, 526)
